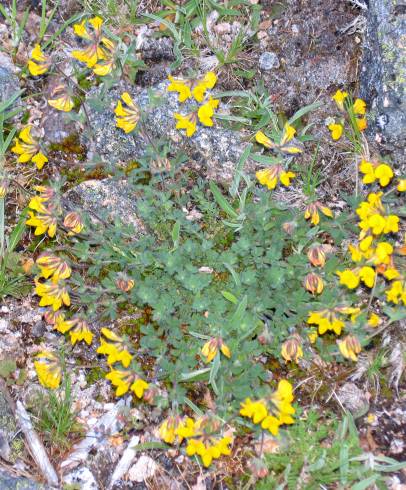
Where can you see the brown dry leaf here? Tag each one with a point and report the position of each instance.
(266, 24)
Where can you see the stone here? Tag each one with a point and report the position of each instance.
(268, 61)
(143, 469)
(383, 76)
(212, 152)
(353, 399)
(108, 199)
(11, 482)
(9, 83)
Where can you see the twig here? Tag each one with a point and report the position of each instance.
(35, 445)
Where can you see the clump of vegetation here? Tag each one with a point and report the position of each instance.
(252, 283)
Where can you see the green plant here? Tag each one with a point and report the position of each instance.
(55, 416)
(12, 281)
(317, 455)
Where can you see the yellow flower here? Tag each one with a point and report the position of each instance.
(108, 64)
(368, 169)
(397, 292)
(52, 294)
(288, 144)
(339, 98)
(78, 329)
(48, 369)
(188, 428)
(367, 275)
(336, 130)
(187, 122)
(325, 320)
(127, 116)
(361, 123)
(206, 112)
(51, 265)
(167, 430)
(73, 222)
(269, 176)
(93, 51)
(61, 99)
(384, 174)
(401, 185)
(127, 380)
(43, 223)
(312, 209)
(116, 349)
(349, 347)
(359, 107)
(382, 253)
(211, 348)
(374, 320)
(38, 64)
(28, 149)
(181, 87)
(291, 349)
(348, 278)
(314, 283)
(207, 82)
(256, 411)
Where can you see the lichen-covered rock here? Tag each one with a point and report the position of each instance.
(107, 199)
(9, 83)
(9, 482)
(213, 152)
(383, 75)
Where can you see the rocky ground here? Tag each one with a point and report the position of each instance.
(303, 51)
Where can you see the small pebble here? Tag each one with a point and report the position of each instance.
(268, 61)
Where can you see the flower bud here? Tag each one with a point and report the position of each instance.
(313, 283)
(349, 347)
(73, 222)
(292, 349)
(316, 255)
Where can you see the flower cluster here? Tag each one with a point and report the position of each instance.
(287, 145)
(196, 89)
(212, 347)
(99, 51)
(355, 110)
(374, 257)
(198, 434)
(274, 412)
(117, 350)
(29, 149)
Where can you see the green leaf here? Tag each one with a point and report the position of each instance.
(222, 202)
(304, 110)
(239, 312)
(175, 234)
(238, 170)
(362, 485)
(230, 297)
(236, 277)
(17, 233)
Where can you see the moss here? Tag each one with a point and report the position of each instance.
(71, 144)
(94, 374)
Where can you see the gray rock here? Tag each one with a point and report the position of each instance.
(268, 61)
(9, 83)
(383, 75)
(107, 199)
(9, 482)
(353, 399)
(213, 152)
